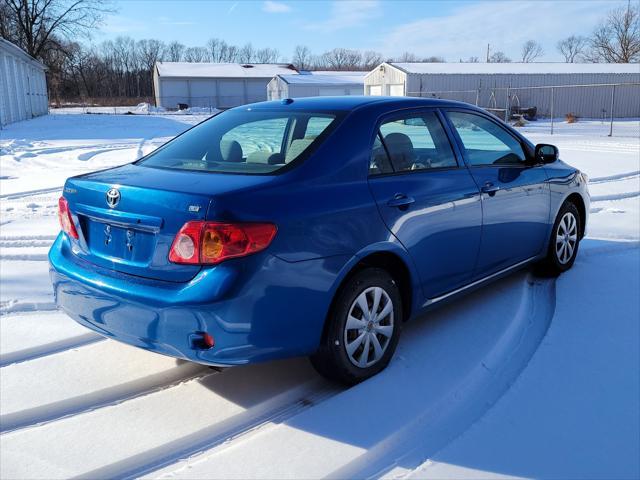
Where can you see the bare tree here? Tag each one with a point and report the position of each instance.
(196, 55)
(433, 59)
(572, 47)
(499, 57)
(267, 55)
(150, 51)
(472, 60)
(407, 57)
(342, 59)
(175, 51)
(617, 39)
(301, 57)
(530, 51)
(247, 54)
(32, 24)
(371, 59)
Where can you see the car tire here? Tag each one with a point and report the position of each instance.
(360, 340)
(564, 241)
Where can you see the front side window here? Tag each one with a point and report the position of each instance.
(485, 142)
(245, 141)
(414, 142)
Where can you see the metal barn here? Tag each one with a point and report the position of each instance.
(213, 85)
(23, 86)
(498, 85)
(316, 84)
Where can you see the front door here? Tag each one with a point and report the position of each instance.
(427, 200)
(515, 194)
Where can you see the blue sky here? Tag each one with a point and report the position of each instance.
(452, 29)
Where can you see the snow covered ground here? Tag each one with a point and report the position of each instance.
(530, 377)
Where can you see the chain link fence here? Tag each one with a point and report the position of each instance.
(553, 104)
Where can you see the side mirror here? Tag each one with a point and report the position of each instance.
(546, 153)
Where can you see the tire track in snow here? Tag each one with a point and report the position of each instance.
(29, 193)
(619, 176)
(52, 348)
(102, 398)
(147, 373)
(223, 434)
(614, 196)
(196, 414)
(483, 387)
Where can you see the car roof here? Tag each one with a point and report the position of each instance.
(351, 102)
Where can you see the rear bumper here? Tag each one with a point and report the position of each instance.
(258, 308)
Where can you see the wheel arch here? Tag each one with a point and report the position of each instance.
(576, 199)
(392, 259)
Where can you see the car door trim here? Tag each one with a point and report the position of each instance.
(431, 301)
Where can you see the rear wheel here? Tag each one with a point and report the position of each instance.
(564, 241)
(363, 328)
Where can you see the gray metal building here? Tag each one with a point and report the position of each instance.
(213, 85)
(497, 85)
(23, 85)
(316, 84)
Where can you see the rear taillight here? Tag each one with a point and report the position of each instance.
(66, 222)
(201, 242)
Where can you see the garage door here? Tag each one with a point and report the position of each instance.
(396, 90)
(375, 90)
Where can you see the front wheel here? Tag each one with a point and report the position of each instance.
(363, 328)
(564, 241)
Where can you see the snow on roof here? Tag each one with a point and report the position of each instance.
(230, 70)
(339, 73)
(322, 79)
(516, 68)
(7, 46)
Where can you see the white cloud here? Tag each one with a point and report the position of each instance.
(348, 14)
(505, 25)
(275, 7)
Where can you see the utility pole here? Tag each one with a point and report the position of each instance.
(487, 53)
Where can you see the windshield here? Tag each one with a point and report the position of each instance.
(245, 141)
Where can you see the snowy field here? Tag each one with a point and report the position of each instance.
(529, 377)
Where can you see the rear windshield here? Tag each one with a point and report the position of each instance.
(245, 142)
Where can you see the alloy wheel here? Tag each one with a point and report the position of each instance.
(566, 238)
(369, 327)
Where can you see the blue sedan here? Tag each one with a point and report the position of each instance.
(310, 227)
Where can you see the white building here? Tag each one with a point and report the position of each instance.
(213, 85)
(316, 84)
(23, 86)
(486, 84)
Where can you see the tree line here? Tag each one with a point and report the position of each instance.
(55, 32)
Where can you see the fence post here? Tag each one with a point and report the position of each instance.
(552, 95)
(613, 99)
(477, 96)
(508, 105)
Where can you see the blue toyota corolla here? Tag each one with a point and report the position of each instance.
(310, 227)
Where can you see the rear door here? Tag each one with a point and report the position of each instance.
(515, 194)
(427, 199)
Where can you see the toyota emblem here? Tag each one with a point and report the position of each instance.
(113, 197)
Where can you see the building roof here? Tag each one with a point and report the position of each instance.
(324, 80)
(228, 70)
(339, 73)
(9, 47)
(516, 68)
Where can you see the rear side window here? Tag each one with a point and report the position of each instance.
(413, 142)
(485, 142)
(245, 142)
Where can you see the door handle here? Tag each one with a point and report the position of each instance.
(490, 189)
(400, 200)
